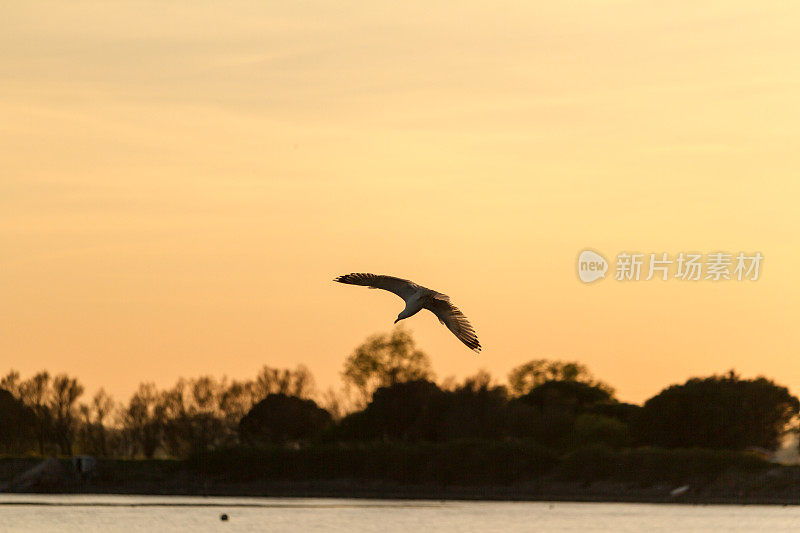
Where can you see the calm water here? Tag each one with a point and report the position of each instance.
(84, 514)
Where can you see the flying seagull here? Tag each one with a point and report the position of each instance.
(417, 298)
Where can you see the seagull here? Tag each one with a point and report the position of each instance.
(417, 298)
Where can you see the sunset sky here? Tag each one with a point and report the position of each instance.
(181, 181)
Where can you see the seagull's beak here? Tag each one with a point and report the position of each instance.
(396, 320)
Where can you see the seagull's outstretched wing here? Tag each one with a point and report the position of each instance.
(401, 287)
(452, 317)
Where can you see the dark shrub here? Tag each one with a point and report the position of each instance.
(573, 396)
(457, 462)
(722, 412)
(649, 466)
(278, 419)
(592, 429)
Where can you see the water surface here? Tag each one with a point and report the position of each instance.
(88, 513)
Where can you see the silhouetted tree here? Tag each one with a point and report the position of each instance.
(191, 420)
(143, 421)
(203, 413)
(410, 410)
(339, 402)
(384, 360)
(18, 424)
(722, 412)
(11, 383)
(524, 378)
(421, 411)
(557, 405)
(298, 382)
(572, 396)
(236, 399)
(35, 393)
(65, 392)
(176, 420)
(478, 409)
(279, 419)
(205, 417)
(94, 417)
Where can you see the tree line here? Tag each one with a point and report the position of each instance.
(389, 394)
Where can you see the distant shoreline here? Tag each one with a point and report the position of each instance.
(573, 493)
(771, 485)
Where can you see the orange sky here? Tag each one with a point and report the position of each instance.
(179, 183)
